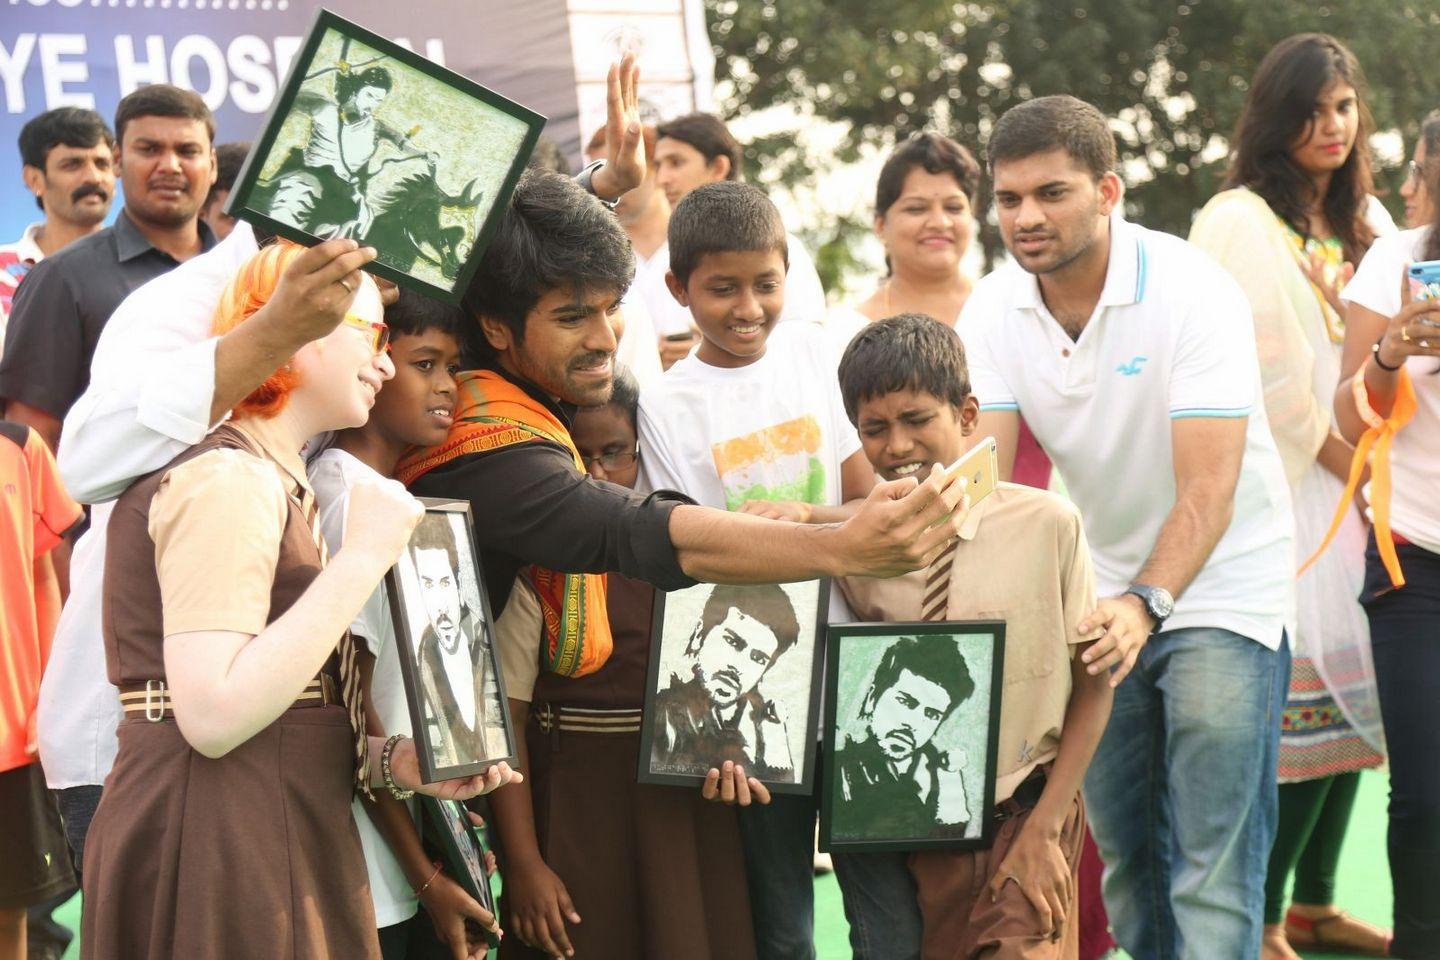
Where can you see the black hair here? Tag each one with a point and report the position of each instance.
(415, 313)
(163, 100)
(626, 395)
(553, 236)
(434, 533)
(229, 158)
(1279, 109)
(708, 135)
(61, 127)
(1054, 123)
(766, 603)
(1430, 133)
(934, 154)
(548, 156)
(720, 218)
(347, 85)
(939, 661)
(907, 352)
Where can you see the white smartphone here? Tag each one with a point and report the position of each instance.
(981, 468)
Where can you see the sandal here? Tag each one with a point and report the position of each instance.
(1346, 934)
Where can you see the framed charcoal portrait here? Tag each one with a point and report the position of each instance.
(445, 639)
(371, 141)
(462, 846)
(912, 719)
(735, 675)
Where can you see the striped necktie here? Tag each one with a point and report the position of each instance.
(937, 584)
(349, 668)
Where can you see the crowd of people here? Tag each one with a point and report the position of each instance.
(1226, 618)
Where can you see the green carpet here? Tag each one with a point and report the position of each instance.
(1364, 884)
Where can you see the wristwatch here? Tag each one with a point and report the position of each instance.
(1158, 602)
(586, 179)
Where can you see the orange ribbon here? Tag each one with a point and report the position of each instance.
(1376, 439)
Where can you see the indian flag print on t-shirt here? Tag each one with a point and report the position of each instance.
(781, 462)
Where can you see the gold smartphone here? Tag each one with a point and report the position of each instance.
(980, 466)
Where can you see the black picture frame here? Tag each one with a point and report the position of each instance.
(861, 649)
(406, 228)
(462, 850)
(445, 752)
(803, 684)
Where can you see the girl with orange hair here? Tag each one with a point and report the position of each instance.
(225, 830)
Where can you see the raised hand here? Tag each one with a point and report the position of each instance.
(625, 160)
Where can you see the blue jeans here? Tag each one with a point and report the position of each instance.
(880, 905)
(779, 842)
(1181, 795)
(77, 809)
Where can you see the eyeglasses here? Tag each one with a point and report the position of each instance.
(609, 461)
(1413, 171)
(379, 333)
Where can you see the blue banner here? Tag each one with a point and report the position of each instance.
(235, 53)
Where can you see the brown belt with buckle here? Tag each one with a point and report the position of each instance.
(152, 700)
(587, 720)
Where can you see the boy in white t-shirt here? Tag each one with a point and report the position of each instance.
(414, 409)
(753, 421)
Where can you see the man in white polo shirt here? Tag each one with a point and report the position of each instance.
(1132, 357)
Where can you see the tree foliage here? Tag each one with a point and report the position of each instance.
(1172, 75)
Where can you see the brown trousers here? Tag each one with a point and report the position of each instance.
(961, 922)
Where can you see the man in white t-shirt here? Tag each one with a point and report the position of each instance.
(1132, 357)
(753, 420)
(692, 151)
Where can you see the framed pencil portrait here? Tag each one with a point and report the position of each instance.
(735, 675)
(462, 848)
(912, 720)
(371, 141)
(445, 640)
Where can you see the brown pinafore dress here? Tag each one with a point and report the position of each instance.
(655, 872)
(252, 855)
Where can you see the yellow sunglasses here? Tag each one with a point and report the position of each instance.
(378, 332)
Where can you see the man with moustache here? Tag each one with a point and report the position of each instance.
(66, 155)
(454, 674)
(894, 782)
(718, 713)
(166, 163)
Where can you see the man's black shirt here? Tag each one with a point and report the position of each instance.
(532, 506)
(64, 303)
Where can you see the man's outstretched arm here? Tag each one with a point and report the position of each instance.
(901, 526)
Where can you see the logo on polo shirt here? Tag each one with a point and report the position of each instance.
(1131, 368)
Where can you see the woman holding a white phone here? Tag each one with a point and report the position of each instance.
(1391, 389)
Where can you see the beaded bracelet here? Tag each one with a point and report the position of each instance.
(387, 774)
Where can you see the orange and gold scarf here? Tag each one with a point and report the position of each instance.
(492, 413)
